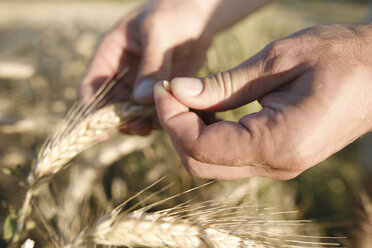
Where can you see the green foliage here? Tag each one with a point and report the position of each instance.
(9, 226)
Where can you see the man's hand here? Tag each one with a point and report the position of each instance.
(154, 42)
(315, 88)
(160, 40)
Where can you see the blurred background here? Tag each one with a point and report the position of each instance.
(44, 49)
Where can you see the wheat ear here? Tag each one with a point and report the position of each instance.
(86, 133)
(186, 226)
(83, 127)
(209, 224)
(198, 227)
(158, 230)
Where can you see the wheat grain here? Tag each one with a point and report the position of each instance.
(210, 224)
(87, 132)
(72, 140)
(194, 230)
(168, 228)
(167, 86)
(154, 230)
(28, 244)
(84, 126)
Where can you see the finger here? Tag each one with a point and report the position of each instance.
(259, 140)
(143, 127)
(212, 171)
(113, 53)
(190, 133)
(213, 158)
(277, 64)
(169, 107)
(155, 65)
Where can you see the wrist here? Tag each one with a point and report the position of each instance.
(228, 12)
(207, 5)
(208, 9)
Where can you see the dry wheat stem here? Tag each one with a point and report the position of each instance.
(86, 133)
(152, 230)
(59, 151)
(84, 126)
(22, 216)
(209, 224)
(166, 229)
(83, 177)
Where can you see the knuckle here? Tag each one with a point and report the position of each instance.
(273, 150)
(278, 48)
(222, 83)
(273, 54)
(278, 53)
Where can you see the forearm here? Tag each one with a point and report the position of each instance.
(228, 12)
(221, 14)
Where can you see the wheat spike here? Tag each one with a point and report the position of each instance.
(209, 224)
(84, 126)
(28, 244)
(195, 230)
(72, 139)
(154, 230)
(86, 133)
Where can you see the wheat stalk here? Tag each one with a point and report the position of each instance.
(86, 133)
(209, 224)
(177, 227)
(158, 230)
(83, 127)
(59, 151)
(197, 227)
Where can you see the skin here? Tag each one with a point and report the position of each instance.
(155, 44)
(314, 87)
(316, 92)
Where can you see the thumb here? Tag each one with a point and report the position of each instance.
(155, 65)
(269, 69)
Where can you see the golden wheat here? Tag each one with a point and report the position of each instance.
(72, 140)
(28, 244)
(210, 224)
(87, 132)
(84, 126)
(158, 230)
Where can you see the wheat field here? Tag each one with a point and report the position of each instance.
(87, 193)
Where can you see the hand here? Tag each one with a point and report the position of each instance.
(315, 88)
(160, 40)
(154, 42)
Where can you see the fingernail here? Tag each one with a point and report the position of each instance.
(144, 90)
(188, 86)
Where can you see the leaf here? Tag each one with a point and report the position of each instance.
(9, 226)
